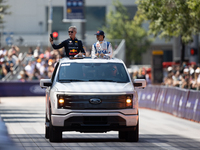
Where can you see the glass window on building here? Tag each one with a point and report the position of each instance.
(168, 56)
(131, 11)
(95, 17)
(57, 17)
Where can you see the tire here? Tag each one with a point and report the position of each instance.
(122, 134)
(46, 128)
(55, 134)
(133, 135)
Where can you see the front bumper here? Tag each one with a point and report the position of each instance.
(109, 121)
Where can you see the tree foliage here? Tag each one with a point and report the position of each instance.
(3, 10)
(169, 18)
(119, 26)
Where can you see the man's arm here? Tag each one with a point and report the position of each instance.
(81, 48)
(56, 46)
(110, 51)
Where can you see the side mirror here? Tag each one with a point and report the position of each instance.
(44, 83)
(140, 83)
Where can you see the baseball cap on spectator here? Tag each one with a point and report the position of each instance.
(197, 70)
(41, 55)
(149, 70)
(38, 60)
(99, 32)
(50, 62)
(191, 71)
(169, 68)
(186, 70)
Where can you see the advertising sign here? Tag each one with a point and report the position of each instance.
(74, 10)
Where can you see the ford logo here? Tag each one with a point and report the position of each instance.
(95, 101)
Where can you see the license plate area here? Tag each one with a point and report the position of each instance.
(95, 120)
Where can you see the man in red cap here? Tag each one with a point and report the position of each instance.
(101, 48)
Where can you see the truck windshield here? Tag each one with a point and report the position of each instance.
(94, 72)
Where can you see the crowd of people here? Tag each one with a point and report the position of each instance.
(36, 64)
(9, 59)
(39, 64)
(185, 76)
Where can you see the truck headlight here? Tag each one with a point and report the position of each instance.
(61, 101)
(129, 102)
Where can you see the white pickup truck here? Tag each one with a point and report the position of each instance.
(91, 95)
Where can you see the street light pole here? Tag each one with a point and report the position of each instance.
(50, 21)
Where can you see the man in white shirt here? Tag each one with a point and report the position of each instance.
(101, 48)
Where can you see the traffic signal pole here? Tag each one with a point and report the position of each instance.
(50, 21)
(194, 50)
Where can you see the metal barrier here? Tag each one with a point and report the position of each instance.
(182, 103)
(16, 88)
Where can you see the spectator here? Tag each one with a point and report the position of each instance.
(141, 74)
(29, 69)
(36, 52)
(22, 76)
(176, 79)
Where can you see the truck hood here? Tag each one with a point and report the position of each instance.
(93, 87)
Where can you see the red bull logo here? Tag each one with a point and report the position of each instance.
(73, 51)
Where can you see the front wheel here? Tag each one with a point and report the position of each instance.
(46, 128)
(55, 134)
(122, 134)
(133, 135)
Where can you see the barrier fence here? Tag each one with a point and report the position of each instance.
(183, 103)
(31, 88)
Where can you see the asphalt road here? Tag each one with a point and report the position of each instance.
(25, 116)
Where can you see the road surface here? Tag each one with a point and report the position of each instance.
(25, 116)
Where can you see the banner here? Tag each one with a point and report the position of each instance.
(21, 89)
(74, 10)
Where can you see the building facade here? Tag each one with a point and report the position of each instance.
(28, 24)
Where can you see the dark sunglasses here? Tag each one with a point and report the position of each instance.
(113, 69)
(70, 31)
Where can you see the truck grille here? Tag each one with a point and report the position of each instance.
(94, 101)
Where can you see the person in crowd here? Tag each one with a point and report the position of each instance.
(3, 53)
(73, 46)
(30, 69)
(185, 79)
(196, 82)
(4, 70)
(101, 48)
(37, 52)
(48, 52)
(141, 74)
(176, 79)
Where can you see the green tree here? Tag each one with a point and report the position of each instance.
(171, 18)
(120, 26)
(3, 12)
